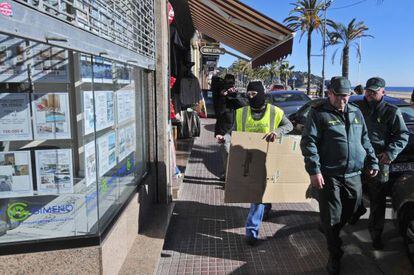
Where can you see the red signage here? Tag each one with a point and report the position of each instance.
(170, 13)
(6, 9)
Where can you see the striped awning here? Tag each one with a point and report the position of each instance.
(243, 29)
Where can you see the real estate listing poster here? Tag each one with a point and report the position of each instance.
(106, 153)
(104, 110)
(125, 105)
(90, 163)
(13, 59)
(51, 119)
(102, 70)
(126, 141)
(86, 68)
(49, 64)
(15, 123)
(15, 174)
(54, 171)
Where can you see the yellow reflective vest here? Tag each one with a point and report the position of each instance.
(269, 122)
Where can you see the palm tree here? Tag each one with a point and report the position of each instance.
(274, 70)
(307, 19)
(347, 36)
(285, 72)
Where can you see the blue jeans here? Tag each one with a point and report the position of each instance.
(254, 219)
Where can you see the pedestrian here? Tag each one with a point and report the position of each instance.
(335, 144)
(389, 136)
(226, 100)
(359, 90)
(260, 117)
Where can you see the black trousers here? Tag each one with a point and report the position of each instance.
(338, 200)
(377, 191)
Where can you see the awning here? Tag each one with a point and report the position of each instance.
(243, 29)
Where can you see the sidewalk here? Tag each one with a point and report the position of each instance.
(206, 236)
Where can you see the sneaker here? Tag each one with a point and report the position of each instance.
(334, 265)
(250, 240)
(377, 243)
(357, 215)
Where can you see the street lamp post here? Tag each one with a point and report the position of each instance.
(325, 7)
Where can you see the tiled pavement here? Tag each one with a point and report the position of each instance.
(206, 236)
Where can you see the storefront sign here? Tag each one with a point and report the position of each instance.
(20, 211)
(212, 50)
(6, 9)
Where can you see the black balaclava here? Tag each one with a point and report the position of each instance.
(259, 100)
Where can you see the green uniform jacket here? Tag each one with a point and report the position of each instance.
(336, 144)
(386, 127)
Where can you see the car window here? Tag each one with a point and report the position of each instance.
(278, 98)
(407, 113)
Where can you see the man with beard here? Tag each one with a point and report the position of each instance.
(389, 136)
(259, 117)
(335, 144)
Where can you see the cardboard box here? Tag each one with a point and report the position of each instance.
(259, 171)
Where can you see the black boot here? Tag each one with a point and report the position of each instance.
(334, 265)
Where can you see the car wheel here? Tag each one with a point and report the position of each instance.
(409, 235)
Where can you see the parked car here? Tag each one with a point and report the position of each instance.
(277, 87)
(401, 169)
(289, 101)
(403, 206)
(208, 99)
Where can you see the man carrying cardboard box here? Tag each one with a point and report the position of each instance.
(335, 144)
(260, 117)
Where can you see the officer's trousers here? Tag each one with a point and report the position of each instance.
(338, 200)
(377, 191)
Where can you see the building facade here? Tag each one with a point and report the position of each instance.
(83, 136)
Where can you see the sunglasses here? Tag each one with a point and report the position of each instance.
(371, 92)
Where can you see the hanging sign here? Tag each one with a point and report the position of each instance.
(212, 50)
(6, 9)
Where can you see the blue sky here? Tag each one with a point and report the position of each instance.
(390, 54)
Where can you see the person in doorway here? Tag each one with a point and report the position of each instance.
(333, 125)
(260, 117)
(389, 136)
(226, 101)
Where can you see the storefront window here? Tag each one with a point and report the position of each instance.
(71, 140)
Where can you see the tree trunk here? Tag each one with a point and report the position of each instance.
(309, 60)
(345, 62)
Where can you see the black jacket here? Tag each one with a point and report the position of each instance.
(386, 127)
(336, 144)
(225, 109)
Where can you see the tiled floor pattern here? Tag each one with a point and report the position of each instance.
(206, 236)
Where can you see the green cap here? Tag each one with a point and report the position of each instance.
(340, 85)
(375, 83)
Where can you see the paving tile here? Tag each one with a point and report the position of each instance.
(206, 236)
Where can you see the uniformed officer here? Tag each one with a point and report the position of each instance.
(389, 136)
(335, 144)
(260, 117)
